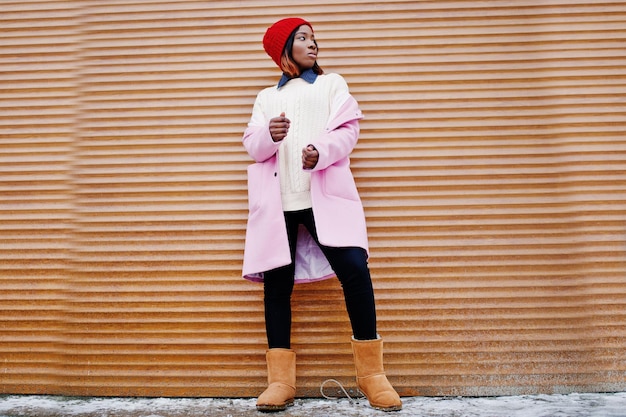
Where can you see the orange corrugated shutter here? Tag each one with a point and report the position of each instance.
(491, 163)
(38, 109)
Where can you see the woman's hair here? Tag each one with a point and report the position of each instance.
(287, 63)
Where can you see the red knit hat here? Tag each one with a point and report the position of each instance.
(276, 36)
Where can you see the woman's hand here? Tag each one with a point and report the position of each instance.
(310, 156)
(279, 127)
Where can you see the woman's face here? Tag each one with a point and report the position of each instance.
(304, 49)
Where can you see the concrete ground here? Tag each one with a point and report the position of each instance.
(571, 405)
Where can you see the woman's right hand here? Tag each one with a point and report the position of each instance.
(279, 127)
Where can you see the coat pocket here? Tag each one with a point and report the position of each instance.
(263, 185)
(339, 182)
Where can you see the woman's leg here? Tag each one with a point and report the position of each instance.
(278, 286)
(281, 360)
(350, 265)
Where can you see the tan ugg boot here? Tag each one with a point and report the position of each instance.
(370, 375)
(281, 377)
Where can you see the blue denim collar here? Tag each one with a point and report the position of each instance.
(308, 76)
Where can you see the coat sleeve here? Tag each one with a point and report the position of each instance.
(340, 136)
(257, 139)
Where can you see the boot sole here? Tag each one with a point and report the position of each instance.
(392, 408)
(270, 408)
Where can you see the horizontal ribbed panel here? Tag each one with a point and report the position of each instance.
(491, 163)
(37, 130)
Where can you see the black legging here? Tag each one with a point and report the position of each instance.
(350, 265)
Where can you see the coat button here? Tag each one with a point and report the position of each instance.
(275, 173)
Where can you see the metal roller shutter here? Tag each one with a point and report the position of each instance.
(38, 97)
(492, 165)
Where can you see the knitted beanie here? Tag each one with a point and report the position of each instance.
(276, 36)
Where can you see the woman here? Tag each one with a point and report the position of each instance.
(306, 220)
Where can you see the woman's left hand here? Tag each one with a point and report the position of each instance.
(310, 156)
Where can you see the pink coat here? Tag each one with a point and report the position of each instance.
(337, 208)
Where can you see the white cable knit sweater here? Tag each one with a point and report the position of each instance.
(308, 107)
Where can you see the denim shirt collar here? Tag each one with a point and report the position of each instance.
(308, 76)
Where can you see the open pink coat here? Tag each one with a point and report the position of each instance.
(337, 208)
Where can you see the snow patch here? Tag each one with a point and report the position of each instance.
(566, 405)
